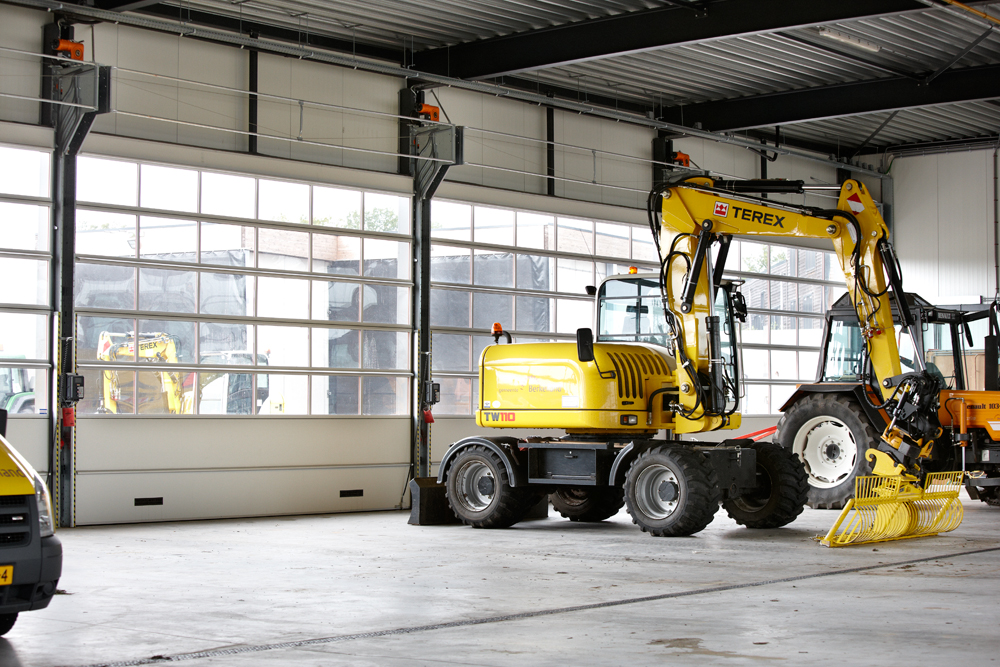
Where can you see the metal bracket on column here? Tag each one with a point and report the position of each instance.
(79, 93)
(440, 146)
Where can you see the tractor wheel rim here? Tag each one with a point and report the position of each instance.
(827, 449)
(470, 491)
(648, 494)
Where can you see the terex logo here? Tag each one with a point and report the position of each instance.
(498, 416)
(721, 209)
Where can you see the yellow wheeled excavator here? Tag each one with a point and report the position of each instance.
(158, 391)
(666, 363)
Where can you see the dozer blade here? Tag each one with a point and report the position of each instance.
(897, 508)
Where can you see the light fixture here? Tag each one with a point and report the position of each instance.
(848, 39)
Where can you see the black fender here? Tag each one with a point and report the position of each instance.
(855, 389)
(505, 448)
(625, 457)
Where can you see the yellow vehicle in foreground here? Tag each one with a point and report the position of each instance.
(30, 553)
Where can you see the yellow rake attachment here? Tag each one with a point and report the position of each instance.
(895, 507)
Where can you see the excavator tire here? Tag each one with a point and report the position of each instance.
(830, 434)
(781, 493)
(671, 491)
(588, 503)
(479, 491)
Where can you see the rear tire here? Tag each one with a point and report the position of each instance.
(479, 491)
(7, 622)
(671, 491)
(830, 434)
(781, 493)
(588, 503)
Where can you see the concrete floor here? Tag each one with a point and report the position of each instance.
(367, 589)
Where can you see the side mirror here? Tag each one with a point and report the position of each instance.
(585, 345)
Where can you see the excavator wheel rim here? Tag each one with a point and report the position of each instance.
(647, 491)
(468, 477)
(827, 448)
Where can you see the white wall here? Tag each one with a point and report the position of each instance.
(944, 225)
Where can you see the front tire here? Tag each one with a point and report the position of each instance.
(588, 503)
(830, 434)
(479, 491)
(781, 493)
(7, 622)
(671, 491)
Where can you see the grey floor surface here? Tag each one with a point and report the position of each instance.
(367, 589)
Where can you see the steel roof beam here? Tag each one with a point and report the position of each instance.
(634, 32)
(848, 99)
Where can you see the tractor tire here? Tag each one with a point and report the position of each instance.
(671, 491)
(588, 503)
(830, 434)
(781, 493)
(479, 491)
(7, 622)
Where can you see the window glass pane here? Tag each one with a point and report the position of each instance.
(384, 396)
(226, 245)
(336, 301)
(336, 348)
(643, 249)
(753, 257)
(810, 331)
(490, 308)
(757, 400)
(756, 293)
(24, 281)
(336, 254)
(25, 226)
(479, 343)
(572, 315)
(106, 181)
(99, 233)
(25, 172)
(385, 304)
(333, 207)
(226, 394)
(284, 346)
(281, 249)
(282, 201)
(387, 259)
(783, 262)
(494, 225)
(575, 275)
(109, 391)
(833, 271)
(384, 350)
(100, 286)
(536, 272)
(755, 329)
(810, 264)
(783, 295)
(224, 194)
(576, 236)
(227, 294)
(832, 294)
(97, 338)
(784, 365)
(808, 363)
(167, 291)
(779, 394)
(450, 220)
(227, 344)
(282, 297)
(450, 308)
(810, 298)
(535, 313)
(450, 352)
(168, 239)
(286, 394)
(335, 394)
(493, 269)
(536, 231)
(168, 188)
(23, 391)
(612, 240)
(456, 396)
(783, 331)
(23, 336)
(162, 393)
(450, 264)
(387, 213)
(167, 342)
(755, 364)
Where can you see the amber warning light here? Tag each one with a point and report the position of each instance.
(633, 269)
(498, 331)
